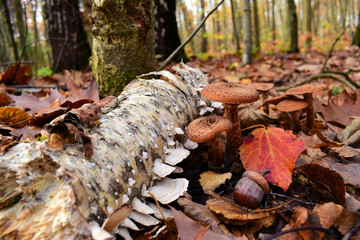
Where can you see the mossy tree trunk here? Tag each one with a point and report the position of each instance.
(123, 42)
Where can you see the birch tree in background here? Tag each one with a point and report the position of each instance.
(246, 57)
(256, 25)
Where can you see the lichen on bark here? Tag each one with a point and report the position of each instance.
(123, 42)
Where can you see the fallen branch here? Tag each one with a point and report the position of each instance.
(98, 158)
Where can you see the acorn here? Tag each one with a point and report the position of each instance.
(251, 188)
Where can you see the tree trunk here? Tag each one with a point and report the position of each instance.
(273, 23)
(234, 22)
(307, 19)
(292, 25)
(70, 47)
(204, 38)
(224, 32)
(316, 17)
(21, 28)
(334, 15)
(36, 55)
(166, 31)
(52, 193)
(256, 25)
(8, 27)
(247, 54)
(123, 44)
(188, 25)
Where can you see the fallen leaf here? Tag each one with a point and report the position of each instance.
(55, 142)
(35, 104)
(349, 172)
(17, 75)
(327, 182)
(117, 217)
(346, 151)
(200, 213)
(352, 204)
(210, 180)
(347, 222)
(339, 113)
(76, 93)
(4, 98)
(14, 116)
(189, 229)
(231, 213)
(328, 213)
(274, 149)
(250, 116)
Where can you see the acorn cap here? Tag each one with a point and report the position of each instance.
(291, 105)
(206, 128)
(259, 179)
(306, 88)
(263, 87)
(230, 93)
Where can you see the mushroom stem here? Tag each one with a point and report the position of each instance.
(264, 96)
(233, 136)
(310, 111)
(216, 153)
(296, 121)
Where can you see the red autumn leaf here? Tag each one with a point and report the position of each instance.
(272, 148)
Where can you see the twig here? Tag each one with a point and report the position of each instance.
(332, 48)
(316, 76)
(166, 62)
(291, 198)
(325, 230)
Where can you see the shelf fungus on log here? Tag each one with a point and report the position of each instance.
(105, 168)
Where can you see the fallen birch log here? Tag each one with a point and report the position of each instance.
(107, 160)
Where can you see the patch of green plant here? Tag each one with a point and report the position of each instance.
(41, 138)
(43, 72)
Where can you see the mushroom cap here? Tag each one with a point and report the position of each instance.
(206, 128)
(291, 105)
(259, 179)
(230, 93)
(306, 88)
(263, 87)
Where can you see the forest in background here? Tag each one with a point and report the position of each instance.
(28, 36)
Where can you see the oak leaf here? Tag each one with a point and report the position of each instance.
(274, 149)
(14, 116)
(17, 75)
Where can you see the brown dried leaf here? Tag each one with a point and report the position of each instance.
(210, 180)
(327, 213)
(117, 217)
(200, 213)
(250, 116)
(231, 213)
(76, 93)
(349, 172)
(35, 104)
(346, 151)
(327, 182)
(189, 229)
(4, 98)
(22, 75)
(14, 116)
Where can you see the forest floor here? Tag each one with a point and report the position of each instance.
(321, 199)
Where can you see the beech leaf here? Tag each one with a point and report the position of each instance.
(274, 149)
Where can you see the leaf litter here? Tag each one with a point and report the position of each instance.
(314, 184)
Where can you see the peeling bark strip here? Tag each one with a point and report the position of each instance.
(54, 195)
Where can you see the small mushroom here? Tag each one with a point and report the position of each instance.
(207, 129)
(291, 106)
(231, 95)
(263, 88)
(307, 90)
